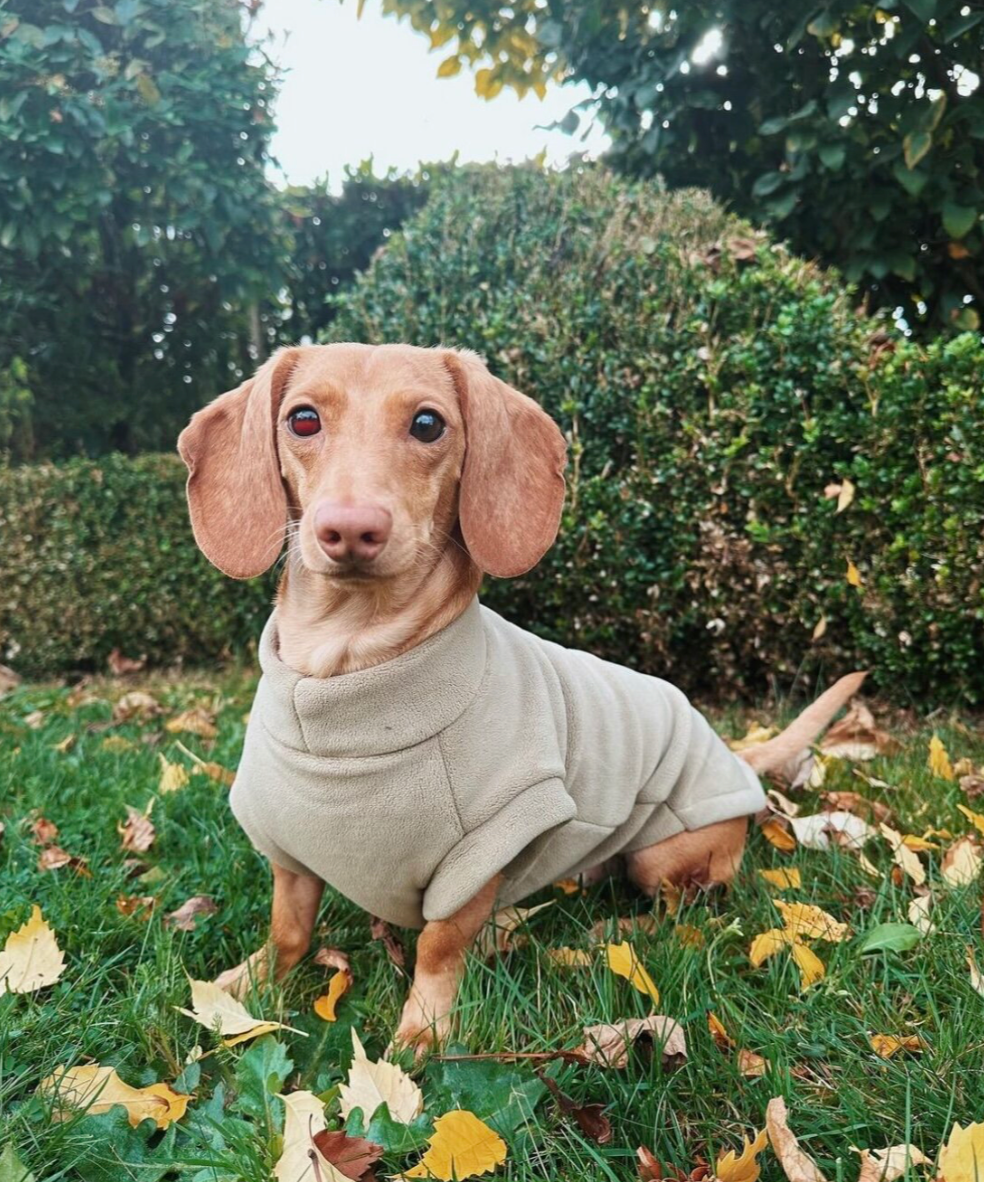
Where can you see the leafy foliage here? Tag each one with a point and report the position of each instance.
(856, 129)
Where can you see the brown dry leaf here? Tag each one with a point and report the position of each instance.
(44, 831)
(776, 832)
(590, 1118)
(887, 1165)
(976, 976)
(53, 857)
(627, 925)
(35, 720)
(887, 1045)
(811, 923)
(98, 1089)
(973, 785)
(173, 776)
(856, 737)
(648, 1167)
(847, 830)
(797, 1165)
(197, 721)
(722, 1038)
(218, 1011)
(608, 1044)
(743, 1167)
(854, 802)
(371, 1084)
(214, 771)
(569, 958)
(782, 804)
(962, 1155)
(380, 930)
(135, 705)
(119, 665)
(938, 761)
(905, 857)
(139, 906)
(31, 958)
(351, 1156)
(496, 935)
(137, 831)
(301, 1160)
(689, 936)
(9, 680)
(785, 880)
(183, 919)
(751, 1065)
(961, 863)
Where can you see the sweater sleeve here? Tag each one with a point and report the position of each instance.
(487, 849)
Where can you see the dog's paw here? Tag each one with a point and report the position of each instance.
(418, 1034)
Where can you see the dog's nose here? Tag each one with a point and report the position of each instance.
(349, 533)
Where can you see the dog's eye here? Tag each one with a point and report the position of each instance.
(427, 426)
(304, 421)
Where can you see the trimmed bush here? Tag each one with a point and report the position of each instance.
(712, 386)
(99, 554)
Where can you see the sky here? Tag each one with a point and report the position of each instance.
(359, 88)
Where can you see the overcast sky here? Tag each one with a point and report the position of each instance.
(358, 88)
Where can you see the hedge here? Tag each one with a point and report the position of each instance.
(712, 386)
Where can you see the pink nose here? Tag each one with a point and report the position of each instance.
(352, 533)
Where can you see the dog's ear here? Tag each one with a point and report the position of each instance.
(512, 484)
(235, 494)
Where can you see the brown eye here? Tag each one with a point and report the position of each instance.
(427, 426)
(304, 421)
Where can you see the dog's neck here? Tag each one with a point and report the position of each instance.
(326, 627)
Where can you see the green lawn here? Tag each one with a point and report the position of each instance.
(115, 1003)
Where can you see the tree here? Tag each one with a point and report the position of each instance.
(856, 129)
(137, 225)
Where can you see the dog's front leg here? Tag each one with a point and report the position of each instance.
(441, 950)
(296, 899)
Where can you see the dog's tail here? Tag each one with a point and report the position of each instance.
(801, 732)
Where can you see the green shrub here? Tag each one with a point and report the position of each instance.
(99, 554)
(712, 386)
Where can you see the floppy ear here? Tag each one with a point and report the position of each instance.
(236, 497)
(512, 485)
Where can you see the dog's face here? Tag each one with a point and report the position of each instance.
(376, 457)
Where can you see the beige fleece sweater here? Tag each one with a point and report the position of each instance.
(407, 786)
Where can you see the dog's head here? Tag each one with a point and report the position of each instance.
(380, 456)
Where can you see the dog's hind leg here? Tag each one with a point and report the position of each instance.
(700, 857)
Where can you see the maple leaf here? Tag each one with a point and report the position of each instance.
(217, 1010)
(608, 1044)
(797, 1165)
(461, 1147)
(743, 1167)
(372, 1084)
(623, 961)
(98, 1089)
(31, 958)
(962, 1157)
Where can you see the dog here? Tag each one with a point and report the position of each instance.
(407, 745)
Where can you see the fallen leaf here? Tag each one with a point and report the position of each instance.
(973, 785)
(767, 944)
(590, 1118)
(31, 958)
(380, 930)
(136, 905)
(797, 1165)
(66, 744)
(183, 919)
(890, 937)
(755, 735)
(116, 743)
(810, 922)
(887, 1165)
(819, 628)
(809, 964)
(751, 1065)
(570, 886)
(961, 863)
(919, 914)
(939, 762)
(722, 1038)
(847, 830)
(219, 1012)
(919, 844)
(496, 935)
(623, 961)
(743, 1167)
(461, 1146)
(689, 936)
(976, 819)
(785, 880)
(135, 704)
(976, 976)
(44, 831)
(569, 958)
(196, 721)
(304, 1119)
(887, 1045)
(777, 833)
(97, 1089)
(608, 1044)
(854, 802)
(35, 720)
(904, 857)
(173, 776)
(9, 680)
(782, 804)
(962, 1157)
(325, 1005)
(351, 1156)
(137, 831)
(856, 737)
(53, 857)
(372, 1084)
(214, 771)
(119, 665)
(627, 925)
(648, 1167)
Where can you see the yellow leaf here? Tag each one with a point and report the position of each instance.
(372, 1084)
(460, 1147)
(31, 958)
(811, 923)
(903, 855)
(116, 743)
(887, 1045)
(304, 1117)
(173, 776)
(217, 1010)
(756, 734)
(324, 1007)
(939, 762)
(689, 936)
(721, 1037)
(962, 862)
(569, 958)
(449, 67)
(623, 961)
(195, 722)
(976, 819)
(570, 886)
(887, 1165)
(845, 496)
(743, 1167)
(797, 1165)
(783, 879)
(918, 844)
(768, 944)
(962, 1157)
(854, 575)
(809, 964)
(98, 1089)
(775, 831)
(751, 1065)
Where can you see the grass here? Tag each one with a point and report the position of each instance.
(115, 1003)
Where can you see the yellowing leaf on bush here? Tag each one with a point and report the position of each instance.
(811, 923)
(887, 1045)
(197, 721)
(622, 960)
(797, 1165)
(173, 776)
(97, 1089)
(887, 1165)
(304, 1116)
(962, 862)
(31, 958)
(783, 879)
(939, 762)
(775, 832)
(339, 984)
(809, 964)
(903, 855)
(742, 1167)
(962, 1157)
(853, 575)
(219, 1011)
(461, 1147)
(569, 958)
(976, 819)
(372, 1084)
